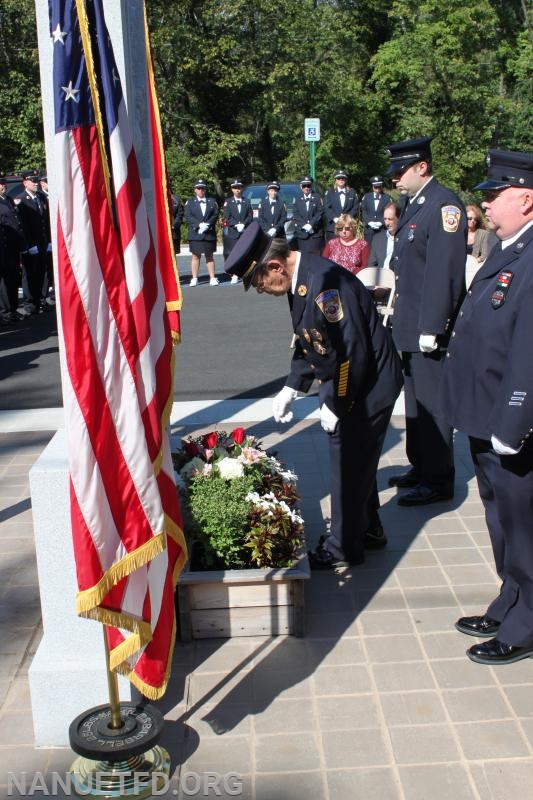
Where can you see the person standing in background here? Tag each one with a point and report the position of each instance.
(349, 249)
(429, 265)
(372, 207)
(12, 245)
(201, 215)
(309, 231)
(34, 218)
(177, 219)
(48, 294)
(236, 216)
(339, 199)
(383, 242)
(272, 214)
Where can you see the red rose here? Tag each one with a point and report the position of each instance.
(238, 435)
(210, 440)
(191, 448)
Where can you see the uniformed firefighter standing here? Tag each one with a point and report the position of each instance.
(309, 227)
(429, 263)
(339, 199)
(11, 245)
(236, 216)
(33, 214)
(342, 342)
(488, 394)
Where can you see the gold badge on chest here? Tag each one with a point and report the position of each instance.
(302, 290)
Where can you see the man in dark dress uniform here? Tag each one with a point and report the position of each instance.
(309, 228)
(372, 207)
(34, 218)
(236, 216)
(487, 392)
(201, 216)
(11, 245)
(178, 211)
(342, 343)
(48, 293)
(339, 199)
(272, 214)
(429, 264)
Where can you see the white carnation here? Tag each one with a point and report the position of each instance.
(230, 468)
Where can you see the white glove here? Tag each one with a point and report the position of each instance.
(240, 226)
(307, 227)
(282, 403)
(271, 231)
(328, 419)
(427, 342)
(375, 225)
(33, 251)
(501, 448)
(202, 227)
(335, 219)
(49, 247)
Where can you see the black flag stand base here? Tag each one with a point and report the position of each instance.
(118, 754)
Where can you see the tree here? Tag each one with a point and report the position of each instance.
(22, 140)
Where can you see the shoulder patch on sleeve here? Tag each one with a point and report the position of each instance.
(329, 302)
(451, 216)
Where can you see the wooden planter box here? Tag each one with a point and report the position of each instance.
(242, 602)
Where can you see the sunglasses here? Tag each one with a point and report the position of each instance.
(345, 228)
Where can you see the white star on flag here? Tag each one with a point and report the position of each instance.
(59, 35)
(70, 92)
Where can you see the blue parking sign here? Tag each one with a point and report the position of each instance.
(312, 130)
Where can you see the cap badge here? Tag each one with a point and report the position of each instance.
(329, 302)
(451, 216)
(302, 290)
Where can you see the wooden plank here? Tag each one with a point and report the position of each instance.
(239, 595)
(257, 621)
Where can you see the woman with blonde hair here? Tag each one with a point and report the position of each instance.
(478, 238)
(349, 248)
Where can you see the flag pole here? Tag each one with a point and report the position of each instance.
(112, 685)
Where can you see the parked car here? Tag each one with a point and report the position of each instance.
(288, 192)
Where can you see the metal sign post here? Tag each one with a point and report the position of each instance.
(312, 135)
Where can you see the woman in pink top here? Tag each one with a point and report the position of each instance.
(349, 249)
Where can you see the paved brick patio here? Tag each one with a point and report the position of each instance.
(378, 700)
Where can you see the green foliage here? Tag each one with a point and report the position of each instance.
(237, 79)
(21, 140)
(219, 514)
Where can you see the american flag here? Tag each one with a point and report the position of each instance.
(116, 359)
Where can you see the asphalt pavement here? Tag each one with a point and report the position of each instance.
(234, 345)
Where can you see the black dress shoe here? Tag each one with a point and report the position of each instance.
(422, 496)
(496, 652)
(375, 538)
(321, 558)
(405, 481)
(478, 626)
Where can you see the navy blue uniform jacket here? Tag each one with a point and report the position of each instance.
(231, 216)
(193, 217)
(333, 209)
(276, 220)
(341, 340)
(488, 375)
(429, 263)
(312, 217)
